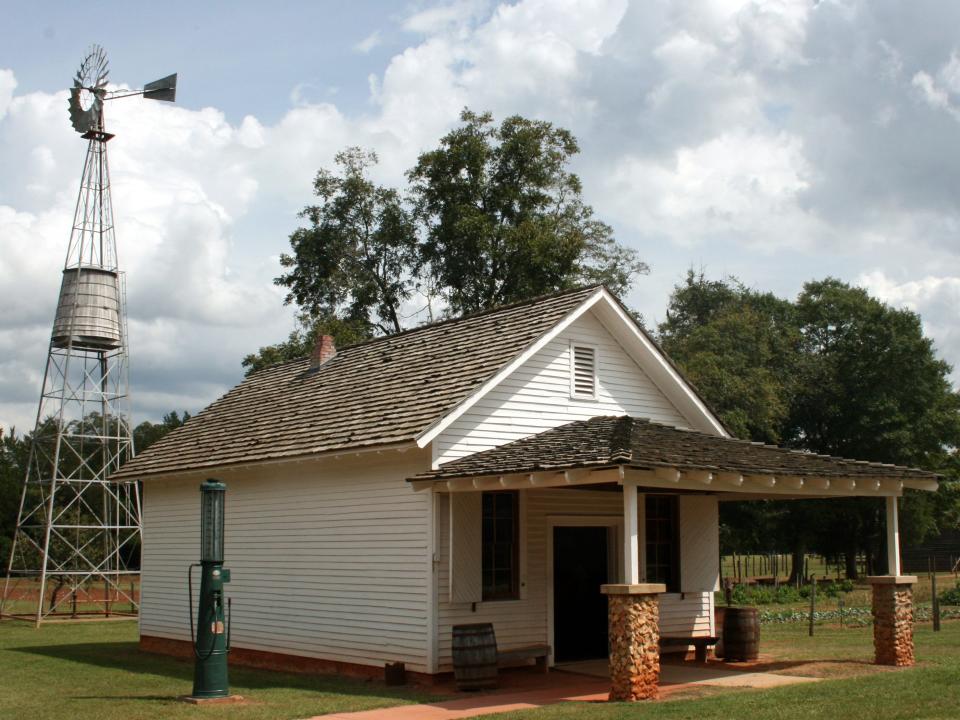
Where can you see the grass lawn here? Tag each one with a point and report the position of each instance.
(95, 670)
(930, 691)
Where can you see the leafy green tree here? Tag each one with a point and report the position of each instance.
(871, 387)
(147, 433)
(353, 261)
(871, 384)
(491, 216)
(739, 348)
(13, 467)
(301, 341)
(837, 372)
(504, 218)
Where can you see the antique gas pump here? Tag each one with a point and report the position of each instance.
(212, 639)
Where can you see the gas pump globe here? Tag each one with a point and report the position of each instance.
(211, 642)
(211, 521)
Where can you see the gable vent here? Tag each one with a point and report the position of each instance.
(583, 382)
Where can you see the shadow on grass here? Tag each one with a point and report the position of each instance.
(149, 698)
(128, 657)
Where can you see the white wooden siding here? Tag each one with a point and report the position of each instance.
(328, 561)
(537, 396)
(524, 621)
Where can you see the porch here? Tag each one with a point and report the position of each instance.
(634, 463)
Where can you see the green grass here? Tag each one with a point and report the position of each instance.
(95, 670)
(930, 691)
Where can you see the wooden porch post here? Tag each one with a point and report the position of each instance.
(893, 538)
(631, 535)
(893, 602)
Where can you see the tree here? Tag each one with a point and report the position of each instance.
(739, 348)
(301, 341)
(147, 433)
(871, 387)
(836, 372)
(13, 467)
(504, 219)
(491, 216)
(353, 262)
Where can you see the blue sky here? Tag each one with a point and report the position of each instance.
(234, 56)
(778, 141)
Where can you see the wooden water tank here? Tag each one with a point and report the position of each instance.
(88, 312)
(741, 634)
(474, 656)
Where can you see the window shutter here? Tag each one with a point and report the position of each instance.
(466, 547)
(584, 371)
(699, 543)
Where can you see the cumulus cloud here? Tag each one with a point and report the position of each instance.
(777, 141)
(369, 42)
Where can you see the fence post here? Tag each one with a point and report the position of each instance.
(813, 602)
(935, 605)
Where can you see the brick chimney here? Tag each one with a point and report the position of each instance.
(324, 350)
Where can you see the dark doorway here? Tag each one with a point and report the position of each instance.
(580, 567)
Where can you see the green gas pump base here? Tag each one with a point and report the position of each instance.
(211, 641)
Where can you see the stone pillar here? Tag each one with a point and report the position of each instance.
(893, 619)
(634, 623)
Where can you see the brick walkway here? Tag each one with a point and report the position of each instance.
(586, 684)
(575, 689)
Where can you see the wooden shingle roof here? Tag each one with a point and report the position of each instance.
(380, 392)
(639, 443)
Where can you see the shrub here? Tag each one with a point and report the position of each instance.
(951, 596)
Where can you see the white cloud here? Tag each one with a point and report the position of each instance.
(8, 83)
(735, 185)
(442, 17)
(778, 141)
(368, 43)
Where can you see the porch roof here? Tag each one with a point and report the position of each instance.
(648, 453)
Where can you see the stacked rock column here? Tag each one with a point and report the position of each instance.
(634, 632)
(893, 619)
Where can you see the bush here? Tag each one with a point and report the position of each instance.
(951, 596)
(783, 594)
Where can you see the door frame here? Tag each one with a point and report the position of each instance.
(614, 555)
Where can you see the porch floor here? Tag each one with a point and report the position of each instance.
(588, 681)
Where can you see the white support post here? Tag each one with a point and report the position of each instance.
(893, 538)
(642, 534)
(631, 534)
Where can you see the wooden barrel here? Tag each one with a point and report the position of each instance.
(741, 634)
(718, 613)
(474, 656)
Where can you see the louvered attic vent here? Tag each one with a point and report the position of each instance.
(583, 378)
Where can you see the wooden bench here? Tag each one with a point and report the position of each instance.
(700, 644)
(537, 653)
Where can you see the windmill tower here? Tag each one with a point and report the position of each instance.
(76, 547)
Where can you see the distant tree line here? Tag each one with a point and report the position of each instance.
(15, 454)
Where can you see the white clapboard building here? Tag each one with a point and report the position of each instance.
(497, 468)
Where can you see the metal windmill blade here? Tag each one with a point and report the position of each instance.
(89, 91)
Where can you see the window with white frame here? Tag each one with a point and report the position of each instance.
(583, 371)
